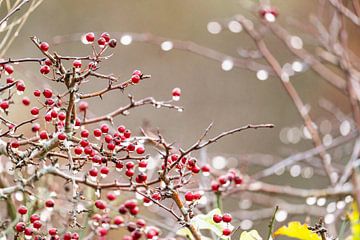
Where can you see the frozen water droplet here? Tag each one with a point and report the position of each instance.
(142, 169)
(180, 110)
(102, 175)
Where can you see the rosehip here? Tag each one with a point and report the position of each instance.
(22, 210)
(217, 218)
(44, 46)
(26, 101)
(90, 37)
(45, 69)
(227, 218)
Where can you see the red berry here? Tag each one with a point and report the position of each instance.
(217, 218)
(108, 138)
(111, 146)
(238, 180)
(26, 101)
(45, 69)
(9, 80)
(143, 164)
(78, 150)
(84, 133)
(20, 86)
(102, 232)
(34, 111)
(156, 196)
(176, 92)
(43, 135)
(37, 224)
(62, 136)
(14, 144)
(34, 217)
(121, 129)
(48, 62)
(22, 210)
(140, 150)
(47, 93)
(90, 37)
(100, 204)
(227, 218)
(77, 63)
(44, 46)
(4, 105)
(226, 232)
(104, 170)
(195, 169)
(127, 134)
(62, 116)
(9, 69)
(35, 127)
(111, 196)
(130, 165)
(129, 173)
(134, 211)
(20, 226)
(93, 172)
(104, 128)
(118, 220)
(101, 41)
(106, 36)
(135, 78)
(215, 186)
(50, 203)
(131, 147)
(112, 43)
(28, 231)
(83, 106)
(97, 132)
(189, 196)
(52, 231)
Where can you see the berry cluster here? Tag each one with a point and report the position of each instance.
(226, 218)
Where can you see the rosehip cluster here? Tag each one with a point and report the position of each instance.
(103, 41)
(224, 181)
(31, 228)
(226, 218)
(188, 163)
(136, 229)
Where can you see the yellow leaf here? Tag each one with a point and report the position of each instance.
(355, 222)
(298, 231)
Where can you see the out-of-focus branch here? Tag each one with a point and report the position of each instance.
(290, 89)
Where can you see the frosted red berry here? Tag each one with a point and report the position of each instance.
(44, 46)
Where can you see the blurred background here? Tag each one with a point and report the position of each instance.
(212, 91)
